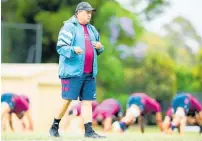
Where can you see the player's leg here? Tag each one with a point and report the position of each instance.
(198, 118)
(70, 117)
(131, 114)
(6, 104)
(166, 124)
(4, 123)
(72, 113)
(159, 120)
(183, 122)
(76, 125)
(199, 121)
(5, 109)
(178, 104)
(70, 91)
(191, 120)
(108, 124)
(174, 124)
(179, 119)
(128, 119)
(88, 95)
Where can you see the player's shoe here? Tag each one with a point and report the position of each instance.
(94, 135)
(116, 126)
(54, 131)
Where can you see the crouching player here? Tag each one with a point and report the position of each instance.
(193, 118)
(106, 112)
(76, 110)
(74, 116)
(181, 105)
(138, 105)
(18, 105)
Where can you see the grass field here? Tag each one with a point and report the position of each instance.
(151, 135)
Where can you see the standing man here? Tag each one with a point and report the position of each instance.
(78, 46)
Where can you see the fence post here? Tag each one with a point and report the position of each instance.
(39, 44)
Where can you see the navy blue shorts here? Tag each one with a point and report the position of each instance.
(82, 87)
(7, 97)
(135, 100)
(182, 101)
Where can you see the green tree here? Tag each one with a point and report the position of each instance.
(183, 41)
(156, 77)
(51, 14)
(184, 77)
(197, 72)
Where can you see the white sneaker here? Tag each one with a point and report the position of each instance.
(116, 126)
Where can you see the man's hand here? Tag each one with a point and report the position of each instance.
(97, 45)
(31, 128)
(30, 121)
(78, 50)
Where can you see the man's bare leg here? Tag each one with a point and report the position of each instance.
(58, 116)
(86, 112)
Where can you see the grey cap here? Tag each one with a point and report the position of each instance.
(84, 6)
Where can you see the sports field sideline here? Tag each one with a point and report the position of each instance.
(151, 134)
